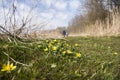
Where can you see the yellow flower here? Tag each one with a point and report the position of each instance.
(68, 51)
(58, 43)
(53, 65)
(95, 45)
(78, 55)
(77, 74)
(39, 46)
(63, 52)
(49, 45)
(46, 49)
(109, 47)
(54, 48)
(116, 53)
(54, 40)
(67, 45)
(76, 44)
(47, 41)
(8, 67)
(5, 46)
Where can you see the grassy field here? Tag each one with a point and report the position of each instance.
(73, 58)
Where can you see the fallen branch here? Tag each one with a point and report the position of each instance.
(9, 34)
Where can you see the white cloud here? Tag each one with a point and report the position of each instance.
(46, 15)
(53, 11)
(47, 3)
(55, 23)
(62, 15)
(23, 10)
(74, 4)
(60, 5)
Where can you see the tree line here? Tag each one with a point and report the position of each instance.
(94, 10)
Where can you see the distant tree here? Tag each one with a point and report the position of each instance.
(115, 4)
(95, 10)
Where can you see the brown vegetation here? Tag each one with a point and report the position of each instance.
(101, 19)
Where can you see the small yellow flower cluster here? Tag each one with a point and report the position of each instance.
(46, 49)
(55, 40)
(76, 45)
(54, 48)
(8, 67)
(63, 52)
(59, 46)
(115, 53)
(69, 52)
(78, 55)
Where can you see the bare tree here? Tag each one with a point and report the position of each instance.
(14, 26)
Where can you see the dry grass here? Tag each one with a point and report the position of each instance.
(105, 29)
(46, 34)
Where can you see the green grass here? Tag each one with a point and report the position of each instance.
(56, 59)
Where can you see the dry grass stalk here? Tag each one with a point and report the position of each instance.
(105, 29)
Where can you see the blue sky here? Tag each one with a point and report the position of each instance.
(53, 13)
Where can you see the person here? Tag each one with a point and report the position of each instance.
(65, 34)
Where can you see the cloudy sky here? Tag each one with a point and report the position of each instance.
(53, 13)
